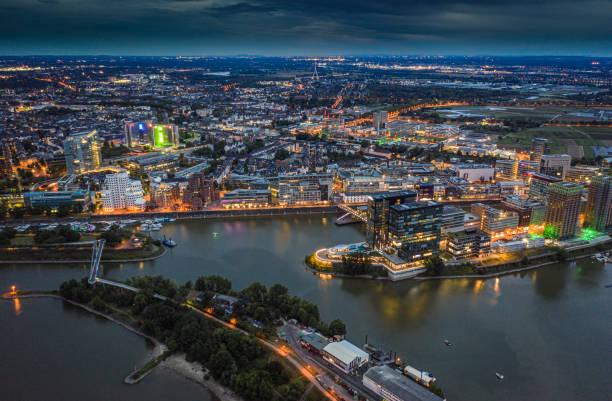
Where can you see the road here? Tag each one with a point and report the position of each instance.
(279, 350)
(293, 335)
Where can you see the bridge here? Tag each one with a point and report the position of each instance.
(94, 271)
(357, 211)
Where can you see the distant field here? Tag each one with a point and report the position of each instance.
(560, 140)
(538, 114)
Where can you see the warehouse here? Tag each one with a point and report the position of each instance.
(394, 386)
(346, 356)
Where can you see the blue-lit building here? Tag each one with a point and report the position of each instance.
(55, 199)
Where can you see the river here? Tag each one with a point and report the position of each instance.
(548, 331)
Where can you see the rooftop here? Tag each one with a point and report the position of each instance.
(398, 384)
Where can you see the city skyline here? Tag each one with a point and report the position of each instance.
(273, 28)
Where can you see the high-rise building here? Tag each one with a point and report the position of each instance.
(158, 136)
(562, 210)
(380, 120)
(6, 161)
(414, 229)
(581, 174)
(539, 184)
(530, 211)
(122, 193)
(538, 148)
(598, 209)
(378, 214)
(555, 165)
(82, 152)
(506, 170)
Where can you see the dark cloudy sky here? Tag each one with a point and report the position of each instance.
(315, 27)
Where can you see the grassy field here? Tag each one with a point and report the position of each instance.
(559, 139)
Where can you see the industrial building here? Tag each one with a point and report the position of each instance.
(345, 356)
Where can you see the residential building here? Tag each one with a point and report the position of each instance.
(380, 119)
(555, 165)
(82, 151)
(122, 193)
(562, 210)
(414, 229)
(468, 244)
(378, 215)
(598, 209)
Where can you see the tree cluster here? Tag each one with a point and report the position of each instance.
(59, 235)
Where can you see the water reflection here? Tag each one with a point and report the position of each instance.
(551, 282)
(17, 306)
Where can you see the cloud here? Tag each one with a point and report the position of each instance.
(309, 26)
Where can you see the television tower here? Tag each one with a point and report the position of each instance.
(315, 75)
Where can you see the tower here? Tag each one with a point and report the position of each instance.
(598, 210)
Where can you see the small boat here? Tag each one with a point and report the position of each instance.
(156, 227)
(448, 343)
(608, 286)
(169, 242)
(499, 376)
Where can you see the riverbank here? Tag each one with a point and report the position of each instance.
(51, 256)
(176, 362)
(195, 372)
(330, 273)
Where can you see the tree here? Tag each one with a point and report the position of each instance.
(434, 265)
(337, 327)
(256, 292)
(222, 366)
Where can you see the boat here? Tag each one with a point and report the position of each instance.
(448, 343)
(169, 242)
(145, 227)
(499, 376)
(155, 227)
(608, 286)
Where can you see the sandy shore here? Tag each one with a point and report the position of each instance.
(194, 371)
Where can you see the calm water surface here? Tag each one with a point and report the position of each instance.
(549, 331)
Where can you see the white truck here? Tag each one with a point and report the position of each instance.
(425, 378)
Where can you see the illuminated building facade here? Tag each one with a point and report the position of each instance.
(555, 165)
(378, 215)
(122, 193)
(598, 210)
(468, 244)
(539, 185)
(506, 170)
(54, 199)
(82, 151)
(492, 220)
(414, 229)
(6, 161)
(562, 210)
(158, 136)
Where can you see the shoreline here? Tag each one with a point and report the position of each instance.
(75, 261)
(176, 362)
(470, 276)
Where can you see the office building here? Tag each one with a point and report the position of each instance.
(378, 215)
(598, 209)
(555, 165)
(380, 120)
(414, 229)
(164, 194)
(562, 210)
(506, 170)
(530, 211)
(54, 199)
(246, 198)
(494, 221)
(526, 167)
(151, 162)
(121, 192)
(452, 219)
(157, 136)
(538, 148)
(539, 184)
(304, 189)
(82, 151)
(468, 244)
(474, 172)
(581, 174)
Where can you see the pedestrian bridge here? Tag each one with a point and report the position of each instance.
(359, 212)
